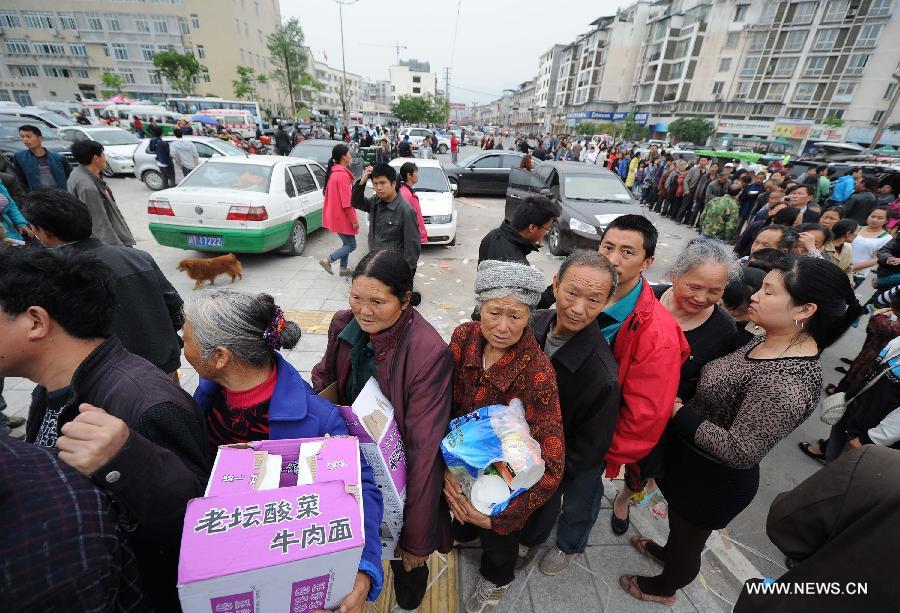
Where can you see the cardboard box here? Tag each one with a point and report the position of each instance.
(255, 544)
(371, 420)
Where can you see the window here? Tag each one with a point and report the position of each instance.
(740, 12)
(845, 89)
(717, 88)
(804, 92)
(804, 12)
(794, 40)
(127, 75)
(9, 19)
(27, 71)
(488, 161)
(417, 79)
(891, 90)
(757, 41)
(114, 24)
(57, 72)
(319, 173)
(183, 26)
(417, 90)
(142, 24)
(724, 64)
(836, 11)
(743, 90)
(837, 113)
(303, 179)
(195, 21)
(731, 40)
(105, 48)
(785, 66)
(4, 95)
(256, 7)
(147, 53)
(155, 79)
(868, 35)
(120, 51)
(94, 22)
(246, 31)
(49, 49)
(776, 91)
(751, 64)
(856, 64)
(42, 20)
(242, 56)
(877, 116)
(681, 48)
(676, 70)
(201, 52)
(22, 97)
(78, 49)
(17, 47)
(767, 16)
(67, 21)
(825, 39)
(160, 25)
(815, 66)
(880, 8)
(81, 73)
(259, 35)
(289, 185)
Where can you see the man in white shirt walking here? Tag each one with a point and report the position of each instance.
(184, 153)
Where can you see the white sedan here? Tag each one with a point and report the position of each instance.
(248, 204)
(118, 145)
(436, 199)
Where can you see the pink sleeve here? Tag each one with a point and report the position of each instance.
(346, 205)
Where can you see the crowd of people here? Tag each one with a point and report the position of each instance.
(685, 386)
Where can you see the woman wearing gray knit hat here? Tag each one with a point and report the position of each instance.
(496, 360)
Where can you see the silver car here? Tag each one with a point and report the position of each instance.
(147, 170)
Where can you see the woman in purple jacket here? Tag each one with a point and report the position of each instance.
(249, 392)
(383, 336)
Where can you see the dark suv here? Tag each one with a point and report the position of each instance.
(10, 143)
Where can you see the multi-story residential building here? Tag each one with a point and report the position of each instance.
(329, 98)
(412, 78)
(57, 50)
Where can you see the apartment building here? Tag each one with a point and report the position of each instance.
(412, 78)
(57, 50)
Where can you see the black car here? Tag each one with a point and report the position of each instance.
(320, 151)
(590, 196)
(10, 143)
(485, 172)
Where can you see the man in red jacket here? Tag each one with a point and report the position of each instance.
(649, 348)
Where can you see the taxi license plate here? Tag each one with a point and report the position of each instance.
(196, 240)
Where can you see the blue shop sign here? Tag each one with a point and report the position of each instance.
(639, 118)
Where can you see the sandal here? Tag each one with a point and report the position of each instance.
(847, 361)
(841, 369)
(819, 457)
(629, 584)
(641, 545)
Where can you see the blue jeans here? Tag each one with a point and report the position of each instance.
(343, 253)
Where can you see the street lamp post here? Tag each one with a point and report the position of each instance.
(345, 113)
(882, 124)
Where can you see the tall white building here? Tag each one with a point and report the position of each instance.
(412, 78)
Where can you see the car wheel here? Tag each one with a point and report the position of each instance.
(108, 172)
(296, 242)
(153, 179)
(442, 148)
(554, 240)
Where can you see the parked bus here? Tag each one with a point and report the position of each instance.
(755, 145)
(235, 121)
(191, 106)
(124, 114)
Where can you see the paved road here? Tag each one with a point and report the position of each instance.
(445, 279)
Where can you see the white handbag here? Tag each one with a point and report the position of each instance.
(833, 407)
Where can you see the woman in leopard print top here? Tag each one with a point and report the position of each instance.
(745, 403)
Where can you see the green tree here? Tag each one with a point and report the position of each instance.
(179, 69)
(413, 109)
(630, 129)
(246, 83)
(113, 82)
(833, 121)
(692, 129)
(290, 62)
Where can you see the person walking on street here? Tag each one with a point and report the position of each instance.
(454, 147)
(425, 151)
(86, 183)
(184, 153)
(137, 126)
(338, 214)
(282, 141)
(163, 157)
(406, 180)
(392, 224)
(39, 167)
(382, 153)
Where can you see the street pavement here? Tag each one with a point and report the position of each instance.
(445, 278)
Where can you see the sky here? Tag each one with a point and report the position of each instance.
(498, 42)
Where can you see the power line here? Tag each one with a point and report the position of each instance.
(475, 91)
(453, 47)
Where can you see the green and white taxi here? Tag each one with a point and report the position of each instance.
(247, 204)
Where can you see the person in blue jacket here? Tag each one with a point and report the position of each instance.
(249, 392)
(843, 187)
(14, 223)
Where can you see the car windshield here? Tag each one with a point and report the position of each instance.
(56, 119)
(114, 137)
(240, 177)
(228, 149)
(431, 180)
(319, 153)
(595, 187)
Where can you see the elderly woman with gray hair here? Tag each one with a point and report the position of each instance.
(495, 361)
(249, 392)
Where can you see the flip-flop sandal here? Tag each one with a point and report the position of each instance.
(641, 545)
(804, 447)
(847, 361)
(841, 369)
(630, 585)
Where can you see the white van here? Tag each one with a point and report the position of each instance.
(66, 109)
(235, 120)
(124, 114)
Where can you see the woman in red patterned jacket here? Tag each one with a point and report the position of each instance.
(496, 360)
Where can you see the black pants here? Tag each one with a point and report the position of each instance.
(168, 175)
(681, 555)
(498, 551)
(684, 209)
(409, 587)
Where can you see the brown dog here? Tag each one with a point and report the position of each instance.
(208, 269)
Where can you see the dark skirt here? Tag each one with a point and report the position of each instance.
(706, 493)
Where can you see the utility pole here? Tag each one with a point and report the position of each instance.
(879, 131)
(447, 91)
(345, 113)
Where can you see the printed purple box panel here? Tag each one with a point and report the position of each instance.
(310, 594)
(236, 603)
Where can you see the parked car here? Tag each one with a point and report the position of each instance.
(236, 204)
(417, 135)
(590, 196)
(119, 145)
(484, 172)
(436, 200)
(47, 121)
(320, 151)
(10, 142)
(146, 169)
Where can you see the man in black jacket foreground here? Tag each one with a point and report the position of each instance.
(587, 377)
(115, 417)
(148, 313)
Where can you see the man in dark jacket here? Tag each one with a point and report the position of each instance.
(839, 525)
(382, 153)
(148, 311)
(392, 224)
(404, 149)
(860, 204)
(39, 167)
(717, 188)
(282, 141)
(114, 417)
(587, 377)
(163, 157)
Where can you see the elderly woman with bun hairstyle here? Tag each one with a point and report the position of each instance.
(249, 392)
